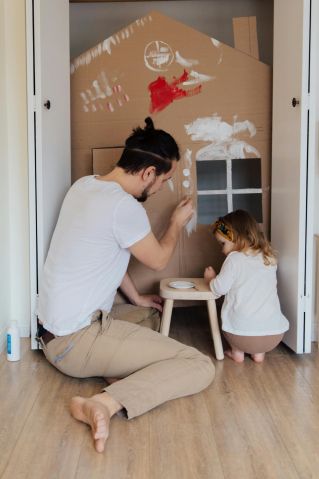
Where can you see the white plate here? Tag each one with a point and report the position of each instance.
(181, 284)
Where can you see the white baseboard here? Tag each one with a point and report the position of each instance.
(3, 340)
(314, 332)
(24, 331)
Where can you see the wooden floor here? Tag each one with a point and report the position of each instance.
(254, 421)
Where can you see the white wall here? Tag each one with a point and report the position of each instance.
(91, 23)
(4, 196)
(14, 223)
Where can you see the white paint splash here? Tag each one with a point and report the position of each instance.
(192, 224)
(107, 45)
(218, 44)
(170, 184)
(197, 78)
(185, 62)
(187, 158)
(186, 184)
(98, 92)
(215, 42)
(222, 137)
(102, 89)
(85, 99)
(186, 172)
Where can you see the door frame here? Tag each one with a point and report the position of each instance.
(33, 78)
(32, 180)
(49, 159)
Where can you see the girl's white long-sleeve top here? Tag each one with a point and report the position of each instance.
(251, 305)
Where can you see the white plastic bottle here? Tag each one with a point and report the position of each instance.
(13, 342)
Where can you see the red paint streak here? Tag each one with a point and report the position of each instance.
(163, 93)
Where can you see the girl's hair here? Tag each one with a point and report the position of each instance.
(149, 146)
(243, 230)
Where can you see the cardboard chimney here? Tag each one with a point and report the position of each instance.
(216, 102)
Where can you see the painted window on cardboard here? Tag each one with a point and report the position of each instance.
(227, 185)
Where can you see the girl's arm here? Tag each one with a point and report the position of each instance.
(209, 274)
(221, 284)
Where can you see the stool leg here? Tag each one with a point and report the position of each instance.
(213, 320)
(166, 317)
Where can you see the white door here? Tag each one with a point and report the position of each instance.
(49, 123)
(291, 211)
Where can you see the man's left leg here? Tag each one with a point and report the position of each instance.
(153, 368)
(146, 317)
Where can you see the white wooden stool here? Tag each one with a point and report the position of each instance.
(200, 292)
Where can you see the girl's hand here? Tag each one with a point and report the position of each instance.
(150, 301)
(209, 274)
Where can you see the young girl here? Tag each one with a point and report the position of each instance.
(251, 317)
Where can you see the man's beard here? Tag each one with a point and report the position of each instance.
(145, 193)
(143, 197)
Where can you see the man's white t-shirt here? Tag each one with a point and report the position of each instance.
(251, 305)
(88, 255)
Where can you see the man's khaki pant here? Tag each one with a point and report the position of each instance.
(152, 368)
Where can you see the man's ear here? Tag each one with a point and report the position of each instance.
(148, 173)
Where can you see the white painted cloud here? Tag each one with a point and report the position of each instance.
(224, 145)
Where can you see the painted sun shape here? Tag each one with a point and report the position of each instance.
(158, 56)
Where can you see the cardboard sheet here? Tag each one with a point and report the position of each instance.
(214, 99)
(245, 35)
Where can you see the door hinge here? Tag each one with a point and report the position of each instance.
(36, 304)
(304, 303)
(307, 101)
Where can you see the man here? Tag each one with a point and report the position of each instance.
(101, 224)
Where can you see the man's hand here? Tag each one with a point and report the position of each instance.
(156, 253)
(209, 274)
(150, 301)
(183, 212)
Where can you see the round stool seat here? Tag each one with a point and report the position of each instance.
(200, 292)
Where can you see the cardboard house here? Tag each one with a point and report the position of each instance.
(216, 102)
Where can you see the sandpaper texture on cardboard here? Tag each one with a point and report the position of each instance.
(214, 100)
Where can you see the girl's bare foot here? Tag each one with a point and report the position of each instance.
(258, 357)
(96, 412)
(235, 355)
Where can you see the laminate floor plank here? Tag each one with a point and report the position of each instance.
(254, 421)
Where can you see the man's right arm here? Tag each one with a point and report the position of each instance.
(156, 253)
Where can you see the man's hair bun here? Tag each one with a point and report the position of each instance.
(149, 123)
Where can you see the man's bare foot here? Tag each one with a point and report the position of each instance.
(96, 412)
(235, 355)
(258, 357)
